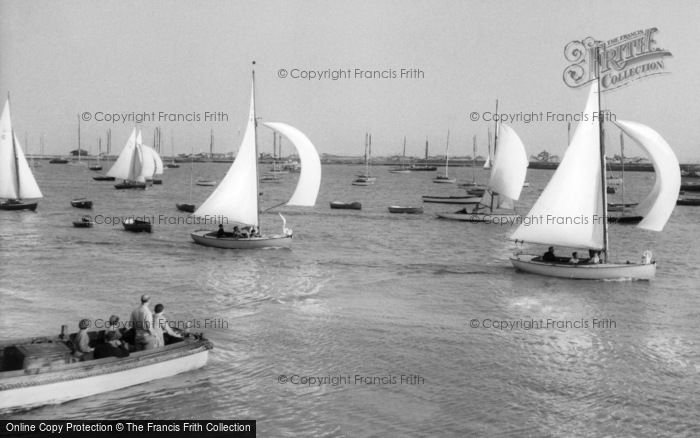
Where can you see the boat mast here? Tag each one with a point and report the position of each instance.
(474, 160)
(426, 151)
(14, 151)
(369, 153)
(622, 169)
(403, 161)
(447, 153)
(603, 178)
(495, 144)
(257, 164)
(79, 149)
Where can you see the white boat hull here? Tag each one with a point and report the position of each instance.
(490, 218)
(459, 200)
(208, 238)
(603, 271)
(72, 389)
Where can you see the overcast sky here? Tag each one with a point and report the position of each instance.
(62, 58)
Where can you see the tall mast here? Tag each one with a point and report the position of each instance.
(257, 165)
(369, 153)
(622, 168)
(474, 160)
(14, 150)
(403, 160)
(603, 178)
(495, 133)
(80, 152)
(426, 151)
(447, 152)
(211, 138)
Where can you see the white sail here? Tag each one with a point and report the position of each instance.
(569, 212)
(236, 197)
(510, 166)
(152, 163)
(122, 167)
(14, 169)
(659, 204)
(487, 163)
(310, 176)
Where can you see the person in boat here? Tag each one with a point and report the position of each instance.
(254, 232)
(245, 233)
(161, 326)
(549, 255)
(113, 328)
(220, 232)
(142, 322)
(237, 232)
(574, 258)
(112, 346)
(594, 257)
(83, 351)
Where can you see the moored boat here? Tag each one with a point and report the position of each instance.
(205, 182)
(688, 200)
(137, 225)
(355, 205)
(103, 178)
(58, 161)
(691, 186)
(186, 207)
(85, 222)
(40, 371)
(406, 210)
(461, 200)
(81, 203)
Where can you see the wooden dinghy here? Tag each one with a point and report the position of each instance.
(355, 205)
(137, 225)
(41, 371)
(406, 210)
(81, 203)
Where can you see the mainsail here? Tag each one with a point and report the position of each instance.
(570, 210)
(659, 204)
(510, 164)
(310, 177)
(236, 197)
(16, 178)
(127, 166)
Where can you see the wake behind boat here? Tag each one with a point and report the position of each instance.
(236, 199)
(16, 178)
(578, 189)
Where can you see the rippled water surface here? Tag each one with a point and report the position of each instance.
(369, 294)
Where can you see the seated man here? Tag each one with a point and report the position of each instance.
(111, 347)
(220, 231)
(574, 258)
(595, 259)
(549, 255)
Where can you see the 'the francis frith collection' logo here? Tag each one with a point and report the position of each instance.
(622, 60)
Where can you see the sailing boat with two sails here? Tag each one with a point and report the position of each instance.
(574, 206)
(504, 187)
(236, 199)
(17, 181)
(136, 163)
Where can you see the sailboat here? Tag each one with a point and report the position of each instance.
(445, 179)
(571, 211)
(80, 150)
(236, 199)
(504, 187)
(424, 167)
(16, 179)
(623, 212)
(97, 165)
(189, 207)
(129, 166)
(172, 164)
(366, 179)
(403, 168)
(273, 176)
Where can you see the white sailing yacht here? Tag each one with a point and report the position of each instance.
(445, 179)
(236, 199)
(572, 211)
(134, 164)
(16, 178)
(504, 187)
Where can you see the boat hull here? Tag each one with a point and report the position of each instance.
(490, 218)
(130, 185)
(103, 178)
(603, 271)
(185, 207)
(137, 226)
(12, 205)
(406, 210)
(208, 238)
(688, 201)
(445, 180)
(83, 224)
(346, 205)
(95, 168)
(81, 203)
(400, 171)
(461, 200)
(89, 378)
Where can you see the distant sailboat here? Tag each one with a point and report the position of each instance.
(403, 168)
(424, 167)
(623, 213)
(97, 166)
(129, 166)
(504, 187)
(236, 199)
(366, 179)
(445, 179)
(16, 179)
(172, 164)
(576, 199)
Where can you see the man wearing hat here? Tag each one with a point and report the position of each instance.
(142, 322)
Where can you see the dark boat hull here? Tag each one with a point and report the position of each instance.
(103, 178)
(406, 210)
(185, 207)
(130, 185)
(688, 201)
(137, 226)
(336, 205)
(83, 224)
(14, 205)
(82, 203)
